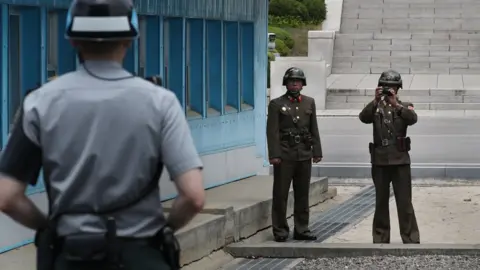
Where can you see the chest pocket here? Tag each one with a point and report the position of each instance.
(399, 123)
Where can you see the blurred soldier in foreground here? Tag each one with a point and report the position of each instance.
(390, 159)
(102, 137)
(293, 143)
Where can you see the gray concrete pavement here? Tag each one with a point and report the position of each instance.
(435, 140)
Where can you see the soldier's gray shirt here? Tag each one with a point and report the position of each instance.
(101, 144)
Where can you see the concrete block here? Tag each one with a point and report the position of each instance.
(369, 13)
(430, 59)
(350, 71)
(359, 99)
(464, 71)
(449, 42)
(353, 47)
(410, 53)
(417, 65)
(473, 53)
(471, 24)
(336, 99)
(342, 65)
(430, 47)
(448, 81)
(474, 65)
(345, 106)
(471, 99)
(414, 70)
(353, 36)
(411, 41)
(351, 15)
(391, 59)
(342, 53)
(318, 250)
(449, 65)
(465, 36)
(414, 93)
(368, 65)
(433, 99)
(371, 42)
(449, 54)
(353, 59)
(404, 70)
(405, 47)
(473, 42)
(408, 21)
(454, 106)
(431, 36)
(346, 92)
(403, 27)
(371, 53)
(392, 36)
(464, 59)
(465, 48)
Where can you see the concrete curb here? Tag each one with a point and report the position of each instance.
(438, 171)
(316, 250)
(227, 224)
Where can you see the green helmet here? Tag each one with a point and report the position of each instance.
(294, 73)
(390, 78)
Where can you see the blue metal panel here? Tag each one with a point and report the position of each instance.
(247, 62)
(153, 51)
(66, 54)
(4, 70)
(196, 72)
(232, 10)
(43, 44)
(176, 57)
(214, 65)
(161, 41)
(231, 63)
(225, 132)
(30, 47)
(260, 81)
(129, 62)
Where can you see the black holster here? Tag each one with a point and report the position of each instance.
(167, 242)
(47, 250)
(403, 144)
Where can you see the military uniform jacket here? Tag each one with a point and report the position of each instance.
(286, 118)
(388, 124)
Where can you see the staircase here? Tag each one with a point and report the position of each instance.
(410, 36)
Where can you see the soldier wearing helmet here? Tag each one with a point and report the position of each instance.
(293, 143)
(390, 159)
(102, 137)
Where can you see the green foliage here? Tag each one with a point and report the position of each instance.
(283, 35)
(282, 49)
(296, 13)
(271, 57)
(285, 21)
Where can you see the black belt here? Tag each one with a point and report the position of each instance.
(386, 142)
(296, 138)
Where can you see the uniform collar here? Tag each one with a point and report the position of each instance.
(102, 64)
(294, 99)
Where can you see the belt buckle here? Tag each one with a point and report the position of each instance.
(384, 142)
(297, 139)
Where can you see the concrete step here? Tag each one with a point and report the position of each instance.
(471, 115)
(418, 105)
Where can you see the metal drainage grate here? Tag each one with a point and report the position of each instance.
(263, 264)
(328, 223)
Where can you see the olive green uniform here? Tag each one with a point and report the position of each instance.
(391, 163)
(292, 135)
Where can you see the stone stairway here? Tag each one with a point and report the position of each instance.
(411, 36)
(443, 92)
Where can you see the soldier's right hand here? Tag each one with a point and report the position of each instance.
(275, 161)
(378, 93)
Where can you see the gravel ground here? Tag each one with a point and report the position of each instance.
(391, 262)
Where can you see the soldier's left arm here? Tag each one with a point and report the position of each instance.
(317, 145)
(407, 112)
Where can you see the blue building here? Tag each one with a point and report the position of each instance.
(211, 53)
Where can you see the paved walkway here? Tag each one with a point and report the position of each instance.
(410, 82)
(445, 214)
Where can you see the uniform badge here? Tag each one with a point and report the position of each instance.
(410, 107)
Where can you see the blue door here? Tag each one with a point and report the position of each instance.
(14, 66)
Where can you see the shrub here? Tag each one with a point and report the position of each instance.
(317, 11)
(282, 49)
(288, 21)
(282, 35)
(288, 8)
